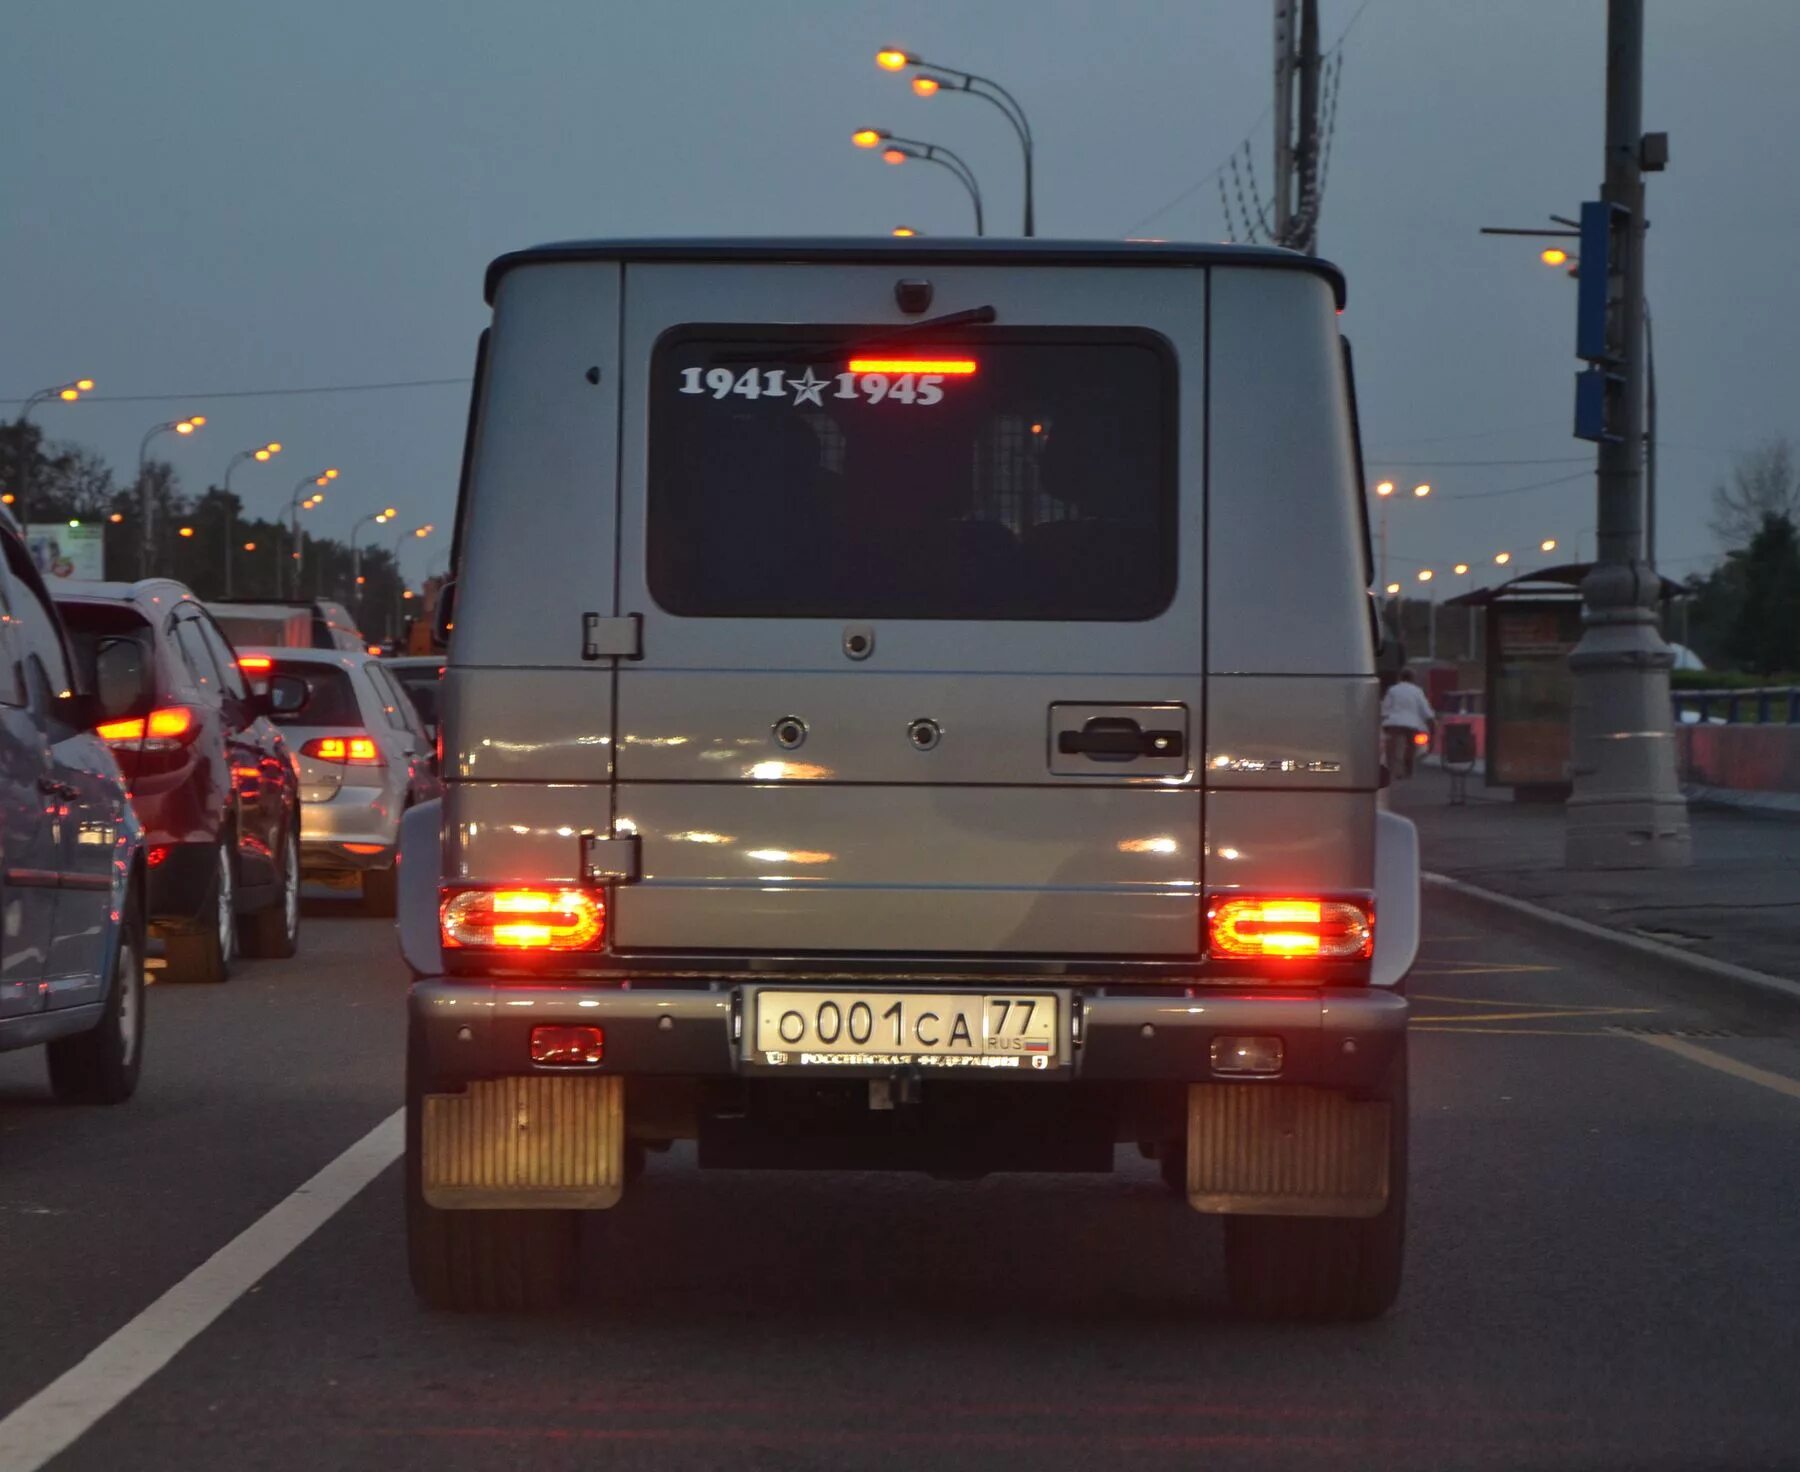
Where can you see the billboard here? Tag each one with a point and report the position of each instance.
(1530, 690)
(65, 553)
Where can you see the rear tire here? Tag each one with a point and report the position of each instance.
(1325, 1268)
(101, 1066)
(481, 1261)
(381, 892)
(274, 933)
(205, 955)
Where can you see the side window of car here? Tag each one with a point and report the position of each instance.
(192, 644)
(393, 700)
(224, 656)
(40, 656)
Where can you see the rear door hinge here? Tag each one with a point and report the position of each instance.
(611, 858)
(604, 637)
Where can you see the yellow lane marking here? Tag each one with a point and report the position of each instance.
(1475, 968)
(1535, 1016)
(1780, 1083)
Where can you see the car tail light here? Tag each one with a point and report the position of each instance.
(255, 664)
(1421, 738)
(164, 729)
(355, 751)
(523, 919)
(1289, 927)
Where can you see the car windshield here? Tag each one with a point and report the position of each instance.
(1019, 474)
(331, 695)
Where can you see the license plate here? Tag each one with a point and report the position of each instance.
(811, 1029)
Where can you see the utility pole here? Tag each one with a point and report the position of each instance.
(1297, 136)
(1627, 810)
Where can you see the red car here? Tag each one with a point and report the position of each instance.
(212, 781)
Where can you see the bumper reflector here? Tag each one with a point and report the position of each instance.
(1262, 1056)
(1289, 926)
(568, 1047)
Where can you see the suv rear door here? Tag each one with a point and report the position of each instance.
(921, 639)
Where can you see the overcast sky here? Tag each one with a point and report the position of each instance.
(209, 196)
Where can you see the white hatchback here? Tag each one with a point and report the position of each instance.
(364, 758)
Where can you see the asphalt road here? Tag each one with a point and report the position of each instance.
(1602, 1273)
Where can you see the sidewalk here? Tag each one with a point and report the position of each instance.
(1739, 903)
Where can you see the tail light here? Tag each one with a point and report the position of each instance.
(1290, 927)
(523, 919)
(255, 664)
(1420, 738)
(165, 729)
(353, 751)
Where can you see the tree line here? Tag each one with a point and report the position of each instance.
(1745, 613)
(55, 482)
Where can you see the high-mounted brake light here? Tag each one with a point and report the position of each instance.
(1289, 927)
(355, 751)
(162, 729)
(523, 919)
(255, 664)
(955, 367)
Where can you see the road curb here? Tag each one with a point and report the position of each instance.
(1765, 986)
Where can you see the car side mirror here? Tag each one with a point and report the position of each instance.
(285, 695)
(443, 616)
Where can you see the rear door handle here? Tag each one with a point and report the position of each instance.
(1118, 739)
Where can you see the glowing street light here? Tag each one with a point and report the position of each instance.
(1547, 545)
(146, 510)
(1502, 558)
(1426, 575)
(297, 545)
(1393, 590)
(1386, 488)
(904, 232)
(262, 454)
(1422, 491)
(932, 78)
(1462, 569)
(899, 150)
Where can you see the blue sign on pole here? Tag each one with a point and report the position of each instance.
(1595, 392)
(1601, 224)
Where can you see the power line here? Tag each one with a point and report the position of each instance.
(263, 393)
(1554, 460)
(1219, 168)
(1561, 480)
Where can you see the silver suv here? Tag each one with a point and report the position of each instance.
(911, 706)
(71, 851)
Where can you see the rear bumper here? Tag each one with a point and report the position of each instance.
(356, 828)
(1338, 1037)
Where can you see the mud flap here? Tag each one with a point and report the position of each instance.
(526, 1142)
(1285, 1150)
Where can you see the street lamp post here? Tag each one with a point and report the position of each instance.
(1425, 577)
(146, 508)
(899, 150)
(932, 77)
(380, 518)
(262, 455)
(296, 551)
(420, 533)
(68, 393)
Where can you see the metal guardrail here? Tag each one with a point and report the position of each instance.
(1763, 705)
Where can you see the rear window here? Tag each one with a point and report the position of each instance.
(331, 700)
(420, 682)
(265, 630)
(89, 623)
(998, 474)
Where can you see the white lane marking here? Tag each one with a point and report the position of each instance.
(72, 1403)
(1748, 1072)
(1724, 970)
